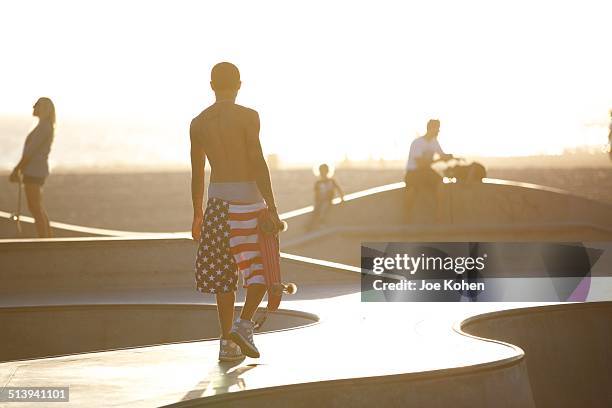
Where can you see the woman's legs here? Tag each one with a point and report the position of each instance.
(35, 205)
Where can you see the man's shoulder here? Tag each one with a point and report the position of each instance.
(202, 115)
(210, 111)
(418, 140)
(248, 112)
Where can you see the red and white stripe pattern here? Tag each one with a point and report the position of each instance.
(244, 241)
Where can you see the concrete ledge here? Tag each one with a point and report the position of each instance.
(510, 210)
(74, 329)
(92, 264)
(500, 384)
(568, 350)
(566, 363)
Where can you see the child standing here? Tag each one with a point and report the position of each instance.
(325, 189)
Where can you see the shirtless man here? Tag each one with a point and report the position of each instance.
(228, 135)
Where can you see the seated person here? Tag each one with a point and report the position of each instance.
(325, 190)
(422, 150)
(419, 174)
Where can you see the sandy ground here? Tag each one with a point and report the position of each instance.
(161, 202)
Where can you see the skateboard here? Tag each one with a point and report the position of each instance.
(16, 216)
(270, 254)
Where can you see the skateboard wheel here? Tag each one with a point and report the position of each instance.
(290, 288)
(267, 226)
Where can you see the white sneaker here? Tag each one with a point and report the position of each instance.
(242, 334)
(229, 351)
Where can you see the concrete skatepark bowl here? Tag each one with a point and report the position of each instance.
(118, 320)
(80, 328)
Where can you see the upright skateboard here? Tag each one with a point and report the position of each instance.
(16, 216)
(270, 254)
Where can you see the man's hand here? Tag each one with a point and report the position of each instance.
(277, 221)
(196, 226)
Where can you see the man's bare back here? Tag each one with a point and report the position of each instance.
(229, 136)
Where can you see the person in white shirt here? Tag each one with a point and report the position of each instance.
(424, 151)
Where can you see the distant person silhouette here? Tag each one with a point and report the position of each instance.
(610, 136)
(33, 168)
(419, 173)
(325, 189)
(228, 135)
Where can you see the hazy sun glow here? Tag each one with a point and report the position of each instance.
(330, 79)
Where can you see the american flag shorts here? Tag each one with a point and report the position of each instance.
(228, 244)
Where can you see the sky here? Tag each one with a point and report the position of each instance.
(329, 79)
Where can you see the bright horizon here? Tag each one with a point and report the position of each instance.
(329, 79)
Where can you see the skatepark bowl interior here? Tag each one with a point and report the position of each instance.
(115, 316)
(71, 329)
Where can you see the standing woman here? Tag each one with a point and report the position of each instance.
(34, 166)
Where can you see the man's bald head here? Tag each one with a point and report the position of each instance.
(225, 77)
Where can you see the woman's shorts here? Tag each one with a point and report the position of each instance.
(228, 244)
(34, 180)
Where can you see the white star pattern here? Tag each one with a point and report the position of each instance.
(216, 261)
(216, 270)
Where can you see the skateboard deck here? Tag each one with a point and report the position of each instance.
(16, 216)
(270, 256)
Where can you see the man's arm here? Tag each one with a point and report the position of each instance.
(441, 155)
(426, 162)
(258, 163)
(198, 161)
(445, 157)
